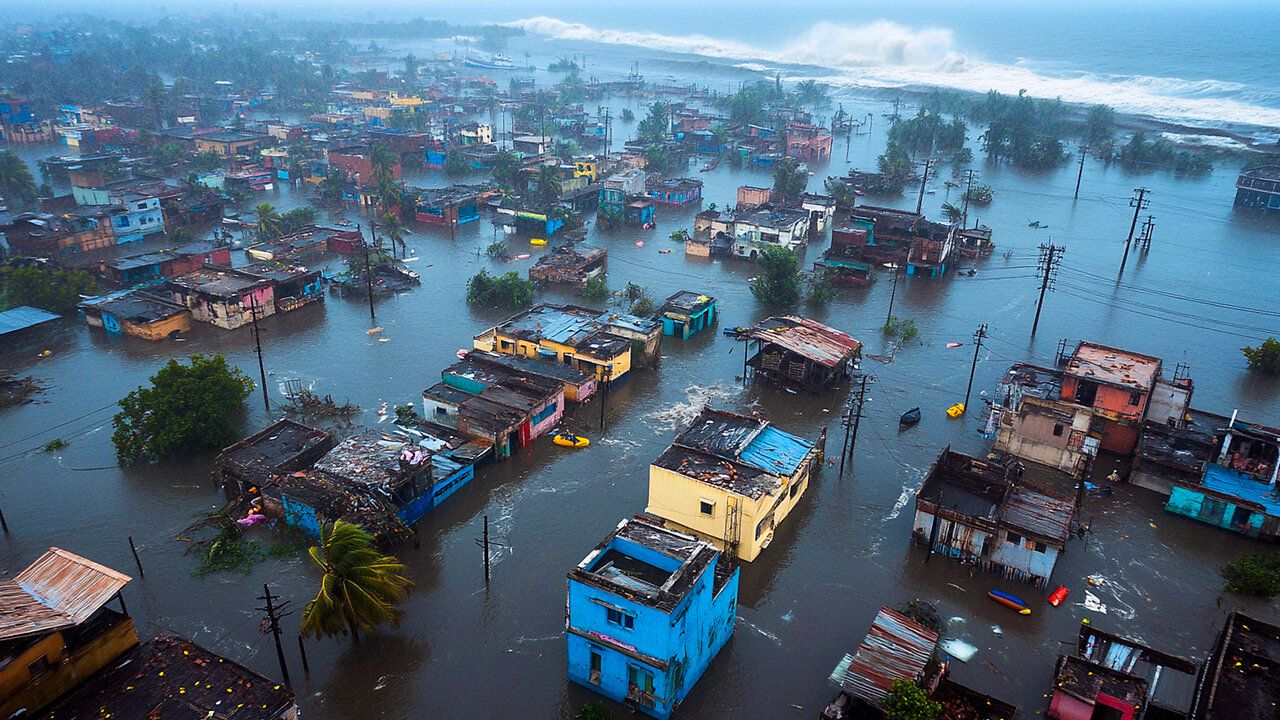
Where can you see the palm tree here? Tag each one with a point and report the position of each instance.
(268, 222)
(547, 191)
(394, 230)
(383, 162)
(155, 97)
(361, 587)
(15, 177)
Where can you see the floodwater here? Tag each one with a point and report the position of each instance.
(466, 651)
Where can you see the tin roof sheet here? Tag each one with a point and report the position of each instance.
(1117, 367)
(1037, 512)
(807, 338)
(776, 451)
(896, 648)
(23, 317)
(58, 590)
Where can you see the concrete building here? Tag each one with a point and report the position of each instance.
(1237, 491)
(137, 313)
(731, 480)
(224, 297)
(686, 313)
(647, 611)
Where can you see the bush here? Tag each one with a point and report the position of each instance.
(907, 701)
(1265, 358)
(822, 289)
(1257, 575)
(187, 408)
(905, 329)
(595, 710)
(497, 250)
(508, 290)
(779, 280)
(596, 288)
(57, 291)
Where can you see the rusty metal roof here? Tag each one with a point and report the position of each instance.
(896, 648)
(807, 338)
(59, 590)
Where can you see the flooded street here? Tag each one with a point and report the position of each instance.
(467, 651)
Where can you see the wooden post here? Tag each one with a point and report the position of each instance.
(302, 650)
(141, 574)
(486, 551)
(4, 524)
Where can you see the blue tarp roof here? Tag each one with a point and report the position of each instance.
(1245, 487)
(23, 317)
(776, 451)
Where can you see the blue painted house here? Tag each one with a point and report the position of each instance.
(686, 312)
(1237, 491)
(648, 610)
(142, 216)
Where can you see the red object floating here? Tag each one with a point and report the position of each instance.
(1058, 595)
(952, 345)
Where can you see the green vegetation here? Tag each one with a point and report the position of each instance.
(789, 179)
(639, 300)
(188, 408)
(922, 612)
(16, 180)
(1140, 154)
(508, 290)
(980, 194)
(952, 213)
(894, 168)
(563, 65)
(361, 588)
(54, 445)
(842, 191)
(627, 115)
(496, 250)
(811, 92)
(595, 710)
(506, 169)
(822, 289)
(901, 329)
(1265, 358)
(227, 551)
(927, 132)
(908, 701)
(779, 280)
(44, 287)
(608, 217)
(653, 128)
(681, 235)
(1257, 575)
(455, 163)
(596, 288)
(1099, 125)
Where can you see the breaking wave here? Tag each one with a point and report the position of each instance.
(883, 54)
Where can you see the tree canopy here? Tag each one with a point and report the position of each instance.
(789, 179)
(16, 180)
(779, 280)
(361, 588)
(1265, 358)
(507, 290)
(46, 288)
(188, 408)
(908, 701)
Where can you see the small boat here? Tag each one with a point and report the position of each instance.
(956, 410)
(537, 241)
(735, 331)
(1012, 601)
(576, 441)
(663, 252)
(910, 417)
(522, 256)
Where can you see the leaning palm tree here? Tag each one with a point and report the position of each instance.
(361, 587)
(268, 222)
(393, 228)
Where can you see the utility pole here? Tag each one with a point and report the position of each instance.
(1148, 226)
(1050, 257)
(1084, 151)
(257, 343)
(978, 334)
(273, 624)
(368, 274)
(892, 293)
(964, 222)
(920, 200)
(1138, 204)
(485, 544)
(857, 415)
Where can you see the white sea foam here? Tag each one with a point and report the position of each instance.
(883, 54)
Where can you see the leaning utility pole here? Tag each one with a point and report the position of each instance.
(1050, 257)
(892, 293)
(1148, 226)
(1138, 204)
(978, 334)
(273, 624)
(368, 273)
(964, 222)
(862, 397)
(850, 421)
(920, 201)
(257, 342)
(1084, 151)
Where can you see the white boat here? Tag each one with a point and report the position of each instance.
(497, 62)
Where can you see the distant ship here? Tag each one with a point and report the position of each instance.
(497, 62)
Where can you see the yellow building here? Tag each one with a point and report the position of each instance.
(411, 102)
(731, 480)
(57, 630)
(575, 336)
(587, 167)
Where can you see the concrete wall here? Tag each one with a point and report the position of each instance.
(65, 670)
(1214, 511)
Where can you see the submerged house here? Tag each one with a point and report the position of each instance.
(647, 611)
(56, 629)
(766, 226)
(285, 446)
(891, 232)
(1241, 679)
(686, 312)
(1114, 677)
(797, 351)
(575, 336)
(452, 206)
(541, 399)
(993, 517)
(730, 479)
(224, 297)
(171, 677)
(674, 191)
(843, 261)
(1259, 188)
(148, 267)
(137, 313)
(931, 251)
(294, 285)
(1117, 385)
(1237, 490)
(567, 265)
(578, 385)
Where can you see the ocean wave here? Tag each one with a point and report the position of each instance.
(883, 54)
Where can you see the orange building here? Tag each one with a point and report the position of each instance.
(1117, 384)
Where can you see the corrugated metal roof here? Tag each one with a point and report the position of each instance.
(60, 589)
(1037, 512)
(23, 317)
(776, 451)
(896, 648)
(805, 337)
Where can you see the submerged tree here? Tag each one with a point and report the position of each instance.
(361, 588)
(1265, 358)
(789, 179)
(507, 290)
(15, 177)
(44, 287)
(188, 408)
(779, 280)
